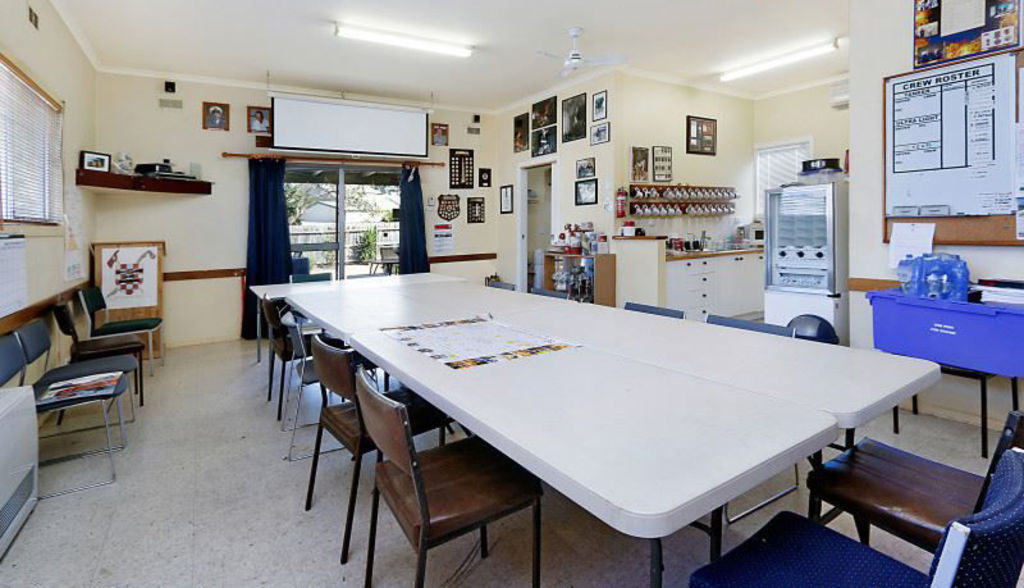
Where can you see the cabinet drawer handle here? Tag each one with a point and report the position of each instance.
(703, 279)
(688, 264)
(703, 295)
(704, 262)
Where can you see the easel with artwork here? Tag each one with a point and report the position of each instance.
(130, 274)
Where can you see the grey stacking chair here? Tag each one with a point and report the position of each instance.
(655, 310)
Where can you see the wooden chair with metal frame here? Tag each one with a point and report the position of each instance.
(92, 302)
(901, 493)
(442, 493)
(280, 346)
(335, 366)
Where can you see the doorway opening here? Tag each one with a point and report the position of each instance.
(538, 222)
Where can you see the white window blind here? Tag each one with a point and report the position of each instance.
(778, 165)
(31, 160)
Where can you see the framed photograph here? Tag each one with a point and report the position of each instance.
(521, 133)
(574, 118)
(544, 141)
(543, 113)
(661, 162)
(216, 116)
(258, 120)
(586, 192)
(484, 181)
(506, 199)
(585, 168)
(475, 206)
(600, 133)
(460, 169)
(639, 164)
(438, 134)
(701, 135)
(93, 161)
(600, 106)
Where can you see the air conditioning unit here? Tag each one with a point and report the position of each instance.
(19, 461)
(840, 95)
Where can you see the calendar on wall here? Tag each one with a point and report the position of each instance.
(13, 274)
(460, 169)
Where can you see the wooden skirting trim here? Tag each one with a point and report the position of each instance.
(458, 258)
(12, 322)
(870, 284)
(204, 274)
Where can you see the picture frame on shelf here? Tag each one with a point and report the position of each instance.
(216, 116)
(258, 120)
(585, 168)
(543, 113)
(438, 134)
(600, 133)
(661, 163)
(639, 164)
(586, 192)
(574, 118)
(599, 108)
(506, 199)
(521, 133)
(701, 135)
(94, 161)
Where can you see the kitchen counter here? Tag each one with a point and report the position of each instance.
(706, 254)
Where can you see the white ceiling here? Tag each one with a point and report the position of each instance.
(691, 41)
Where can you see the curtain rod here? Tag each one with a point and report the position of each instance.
(307, 158)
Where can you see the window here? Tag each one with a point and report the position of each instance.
(31, 162)
(778, 165)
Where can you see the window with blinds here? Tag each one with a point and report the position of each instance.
(778, 165)
(31, 160)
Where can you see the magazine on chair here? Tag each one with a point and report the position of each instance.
(85, 387)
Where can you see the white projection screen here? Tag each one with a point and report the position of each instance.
(305, 123)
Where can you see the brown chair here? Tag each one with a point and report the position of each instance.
(335, 367)
(906, 495)
(442, 493)
(280, 346)
(101, 348)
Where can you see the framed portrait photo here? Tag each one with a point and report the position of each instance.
(216, 116)
(544, 141)
(521, 133)
(506, 199)
(438, 134)
(639, 164)
(586, 192)
(585, 168)
(600, 106)
(600, 133)
(701, 135)
(258, 120)
(574, 118)
(93, 161)
(543, 113)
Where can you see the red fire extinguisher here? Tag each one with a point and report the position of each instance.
(620, 203)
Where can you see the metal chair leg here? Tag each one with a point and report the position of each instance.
(796, 484)
(483, 542)
(421, 565)
(140, 382)
(351, 511)
(896, 420)
(536, 544)
(280, 391)
(149, 336)
(270, 379)
(984, 418)
(110, 454)
(313, 466)
(374, 506)
(163, 346)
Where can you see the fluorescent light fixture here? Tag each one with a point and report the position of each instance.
(780, 61)
(399, 40)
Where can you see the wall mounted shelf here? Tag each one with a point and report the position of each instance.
(107, 181)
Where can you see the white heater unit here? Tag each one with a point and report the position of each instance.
(840, 98)
(19, 461)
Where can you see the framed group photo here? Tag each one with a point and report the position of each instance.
(585, 168)
(586, 192)
(701, 135)
(600, 106)
(600, 133)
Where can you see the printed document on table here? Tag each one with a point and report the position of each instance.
(910, 240)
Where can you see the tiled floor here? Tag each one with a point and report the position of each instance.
(204, 498)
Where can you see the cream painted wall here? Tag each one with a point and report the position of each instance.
(795, 116)
(880, 46)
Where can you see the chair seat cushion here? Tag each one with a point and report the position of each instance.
(899, 492)
(106, 347)
(120, 363)
(126, 326)
(467, 483)
(793, 551)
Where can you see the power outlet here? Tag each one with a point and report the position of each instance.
(33, 18)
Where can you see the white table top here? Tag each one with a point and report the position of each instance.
(276, 291)
(853, 385)
(645, 449)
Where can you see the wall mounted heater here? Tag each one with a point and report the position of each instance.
(19, 461)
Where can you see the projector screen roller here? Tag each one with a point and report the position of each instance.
(314, 124)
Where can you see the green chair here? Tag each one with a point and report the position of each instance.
(93, 302)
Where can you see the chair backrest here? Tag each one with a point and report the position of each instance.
(1011, 436)
(814, 328)
(735, 323)
(305, 278)
(65, 322)
(334, 369)
(272, 312)
(35, 340)
(992, 553)
(300, 266)
(388, 253)
(501, 285)
(12, 360)
(550, 293)
(92, 300)
(293, 328)
(656, 310)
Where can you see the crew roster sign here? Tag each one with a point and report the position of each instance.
(951, 141)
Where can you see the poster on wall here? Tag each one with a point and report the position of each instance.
(521, 133)
(13, 274)
(640, 164)
(662, 163)
(444, 239)
(949, 30)
(74, 248)
(130, 276)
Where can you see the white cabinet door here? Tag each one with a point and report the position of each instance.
(689, 287)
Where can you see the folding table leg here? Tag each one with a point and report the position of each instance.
(896, 420)
(1013, 388)
(656, 566)
(984, 417)
(150, 341)
(716, 533)
(259, 331)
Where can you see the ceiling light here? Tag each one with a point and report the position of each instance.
(780, 61)
(400, 40)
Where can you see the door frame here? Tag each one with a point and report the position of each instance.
(521, 204)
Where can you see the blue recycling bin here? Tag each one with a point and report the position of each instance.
(982, 337)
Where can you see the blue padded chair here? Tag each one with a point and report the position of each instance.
(501, 285)
(306, 278)
(549, 293)
(92, 302)
(300, 266)
(735, 323)
(12, 361)
(983, 549)
(814, 328)
(655, 310)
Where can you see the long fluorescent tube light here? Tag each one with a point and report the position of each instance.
(780, 61)
(400, 40)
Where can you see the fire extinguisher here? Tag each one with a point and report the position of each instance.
(620, 203)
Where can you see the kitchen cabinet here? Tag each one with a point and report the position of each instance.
(728, 285)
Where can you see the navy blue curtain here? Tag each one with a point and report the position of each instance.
(412, 241)
(269, 258)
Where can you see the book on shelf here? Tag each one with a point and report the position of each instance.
(85, 387)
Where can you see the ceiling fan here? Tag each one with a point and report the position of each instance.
(575, 60)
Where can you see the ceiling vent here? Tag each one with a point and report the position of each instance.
(840, 99)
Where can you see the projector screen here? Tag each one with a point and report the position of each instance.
(304, 123)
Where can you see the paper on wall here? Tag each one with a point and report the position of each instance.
(444, 239)
(961, 15)
(910, 240)
(13, 274)
(1020, 217)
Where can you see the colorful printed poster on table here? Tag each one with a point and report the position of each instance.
(466, 343)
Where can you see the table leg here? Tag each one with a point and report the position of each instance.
(1013, 388)
(984, 418)
(259, 331)
(656, 565)
(850, 438)
(716, 533)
